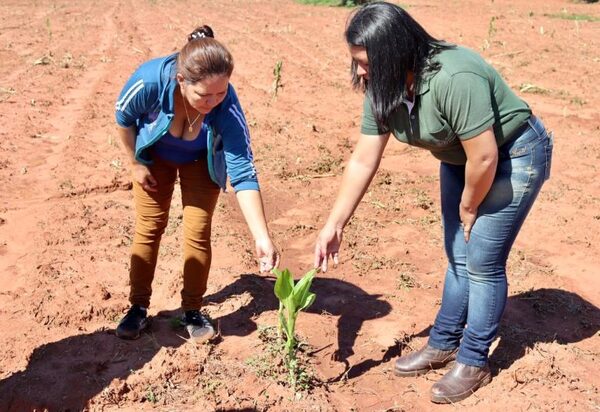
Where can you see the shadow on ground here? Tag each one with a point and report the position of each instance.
(65, 375)
(540, 316)
(537, 316)
(543, 316)
(349, 303)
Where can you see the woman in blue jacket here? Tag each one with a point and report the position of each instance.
(179, 116)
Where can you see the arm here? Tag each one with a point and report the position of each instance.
(250, 202)
(127, 137)
(358, 175)
(482, 160)
(140, 172)
(466, 100)
(134, 101)
(230, 123)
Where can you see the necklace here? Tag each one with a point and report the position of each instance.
(191, 124)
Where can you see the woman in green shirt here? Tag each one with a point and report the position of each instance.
(495, 156)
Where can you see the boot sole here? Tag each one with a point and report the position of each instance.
(202, 338)
(459, 397)
(420, 372)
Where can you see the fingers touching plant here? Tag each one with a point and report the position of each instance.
(292, 299)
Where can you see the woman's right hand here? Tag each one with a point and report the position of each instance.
(327, 247)
(143, 176)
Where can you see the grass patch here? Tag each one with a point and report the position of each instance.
(573, 16)
(270, 363)
(532, 88)
(405, 281)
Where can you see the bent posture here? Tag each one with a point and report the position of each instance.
(180, 117)
(495, 156)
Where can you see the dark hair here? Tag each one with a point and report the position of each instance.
(395, 44)
(203, 56)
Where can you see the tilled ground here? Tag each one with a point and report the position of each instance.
(66, 215)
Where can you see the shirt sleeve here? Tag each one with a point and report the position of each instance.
(466, 103)
(231, 124)
(135, 98)
(369, 124)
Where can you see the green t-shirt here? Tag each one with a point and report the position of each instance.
(460, 101)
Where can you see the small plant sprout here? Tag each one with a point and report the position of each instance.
(292, 299)
(277, 77)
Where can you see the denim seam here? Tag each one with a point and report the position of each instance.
(548, 151)
(530, 172)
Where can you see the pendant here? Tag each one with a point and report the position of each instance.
(190, 129)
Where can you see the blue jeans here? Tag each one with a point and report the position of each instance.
(475, 288)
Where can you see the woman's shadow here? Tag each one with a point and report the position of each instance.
(543, 316)
(352, 305)
(540, 316)
(66, 374)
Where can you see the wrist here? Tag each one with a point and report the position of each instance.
(335, 225)
(468, 207)
(262, 237)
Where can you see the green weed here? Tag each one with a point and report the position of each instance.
(572, 16)
(150, 395)
(406, 281)
(271, 363)
(532, 88)
(49, 30)
(491, 32)
(210, 387)
(277, 77)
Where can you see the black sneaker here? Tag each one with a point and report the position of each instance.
(134, 322)
(197, 325)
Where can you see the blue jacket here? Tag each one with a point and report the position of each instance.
(146, 101)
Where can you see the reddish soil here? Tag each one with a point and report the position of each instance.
(66, 215)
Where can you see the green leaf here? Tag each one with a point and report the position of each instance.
(301, 290)
(310, 299)
(284, 285)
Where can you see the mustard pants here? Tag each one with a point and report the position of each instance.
(199, 197)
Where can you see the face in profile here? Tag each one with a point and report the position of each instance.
(359, 55)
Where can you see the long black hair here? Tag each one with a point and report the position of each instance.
(395, 44)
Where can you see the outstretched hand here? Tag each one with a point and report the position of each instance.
(267, 254)
(327, 247)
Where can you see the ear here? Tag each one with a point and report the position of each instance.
(180, 79)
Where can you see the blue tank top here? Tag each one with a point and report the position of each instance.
(179, 151)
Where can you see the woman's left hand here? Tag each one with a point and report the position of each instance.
(467, 217)
(267, 254)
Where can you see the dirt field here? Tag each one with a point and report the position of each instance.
(66, 215)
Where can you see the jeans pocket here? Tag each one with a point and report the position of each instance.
(549, 149)
(523, 145)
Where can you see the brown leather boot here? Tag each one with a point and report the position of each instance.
(424, 360)
(459, 383)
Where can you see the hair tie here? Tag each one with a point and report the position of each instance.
(197, 35)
